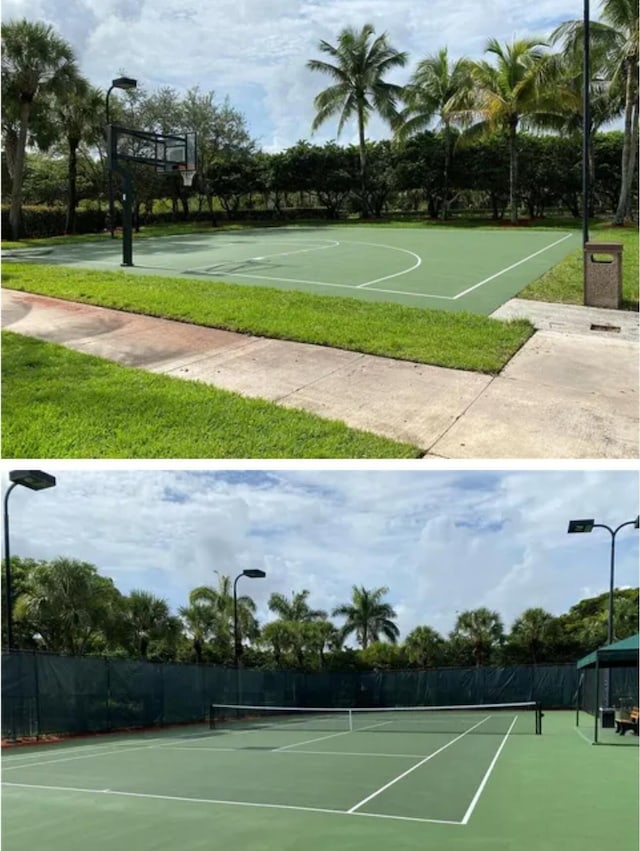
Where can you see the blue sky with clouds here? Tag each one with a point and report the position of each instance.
(442, 541)
(255, 51)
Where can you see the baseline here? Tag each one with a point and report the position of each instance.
(221, 802)
(509, 268)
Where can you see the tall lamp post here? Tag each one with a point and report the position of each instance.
(252, 573)
(35, 480)
(119, 83)
(581, 526)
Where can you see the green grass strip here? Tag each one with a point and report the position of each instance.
(57, 403)
(456, 340)
(565, 283)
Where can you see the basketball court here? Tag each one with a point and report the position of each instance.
(440, 268)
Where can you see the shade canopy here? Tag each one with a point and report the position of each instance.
(619, 654)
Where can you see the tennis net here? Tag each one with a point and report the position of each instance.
(494, 718)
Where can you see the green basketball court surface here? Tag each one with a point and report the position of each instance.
(440, 268)
(474, 787)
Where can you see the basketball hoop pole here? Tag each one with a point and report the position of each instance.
(127, 218)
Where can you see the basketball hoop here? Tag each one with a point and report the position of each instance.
(187, 175)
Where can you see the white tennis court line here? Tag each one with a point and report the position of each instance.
(484, 780)
(580, 733)
(314, 753)
(92, 755)
(222, 802)
(414, 767)
(330, 736)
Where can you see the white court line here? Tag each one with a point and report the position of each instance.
(487, 775)
(580, 733)
(391, 248)
(314, 753)
(333, 244)
(513, 266)
(221, 802)
(58, 748)
(78, 756)
(413, 767)
(331, 736)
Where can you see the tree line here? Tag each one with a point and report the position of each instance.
(65, 606)
(532, 84)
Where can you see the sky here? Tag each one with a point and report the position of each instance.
(255, 51)
(441, 541)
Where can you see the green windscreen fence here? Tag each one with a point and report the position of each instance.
(43, 693)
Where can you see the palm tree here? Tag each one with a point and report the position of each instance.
(220, 600)
(424, 646)
(199, 618)
(65, 605)
(36, 62)
(506, 95)
(482, 629)
(147, 618)
(359, 88)
(616, 36)
(368, 616)
(78, 118)
(435, 91)
(564, 106)
(532, 632)
(296, 609)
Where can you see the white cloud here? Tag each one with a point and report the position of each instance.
(256, 51)
(442, 541)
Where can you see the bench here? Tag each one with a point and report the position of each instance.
(630, 723)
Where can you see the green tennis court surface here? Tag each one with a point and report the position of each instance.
(307, 785)
(448, 269)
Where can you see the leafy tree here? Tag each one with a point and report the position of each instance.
(36, 63)
(65, 605)
(482, 630)
(424, 647)
(435, 92)
(384, 657)
(359, 87)
(505, 95)
(368, 616)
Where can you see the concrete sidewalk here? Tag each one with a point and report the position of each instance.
(566, 394)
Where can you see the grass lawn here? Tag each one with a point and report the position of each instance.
(57, 403)
(564, 283)
(456, 340)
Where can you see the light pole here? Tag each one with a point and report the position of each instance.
(119, 83)
(252, 573)
(35, 480)
(586, 120)
(581, 526)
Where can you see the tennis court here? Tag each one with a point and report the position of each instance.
(443, 268)
(469, 778)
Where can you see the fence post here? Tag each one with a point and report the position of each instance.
(36, 680)
(108, 684)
